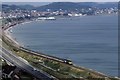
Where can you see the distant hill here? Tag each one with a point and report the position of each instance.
(28, 7)
(63, 5)
(6, 7)
(100, 4)
(72, 6)
(106, 5)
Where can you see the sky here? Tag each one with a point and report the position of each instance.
(27, 3)
(59, 0)
(45, 2)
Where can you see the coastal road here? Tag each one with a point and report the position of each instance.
(9, 56)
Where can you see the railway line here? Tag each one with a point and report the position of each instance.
(60, 60)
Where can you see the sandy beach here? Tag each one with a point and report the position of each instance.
(8, 33)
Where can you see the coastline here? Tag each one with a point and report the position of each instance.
(7, 33)
(7, 30)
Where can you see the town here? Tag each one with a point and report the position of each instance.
(41, 66)
(12, 11)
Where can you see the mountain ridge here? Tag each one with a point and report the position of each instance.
(64, 6)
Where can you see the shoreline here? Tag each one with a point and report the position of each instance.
(7, 33)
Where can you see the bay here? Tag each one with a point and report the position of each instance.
(89, 41)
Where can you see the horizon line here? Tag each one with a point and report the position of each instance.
(60, 1)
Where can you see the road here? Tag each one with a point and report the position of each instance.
(9, 56)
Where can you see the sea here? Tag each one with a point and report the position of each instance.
(89, 41)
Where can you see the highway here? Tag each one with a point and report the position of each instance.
(9, 56)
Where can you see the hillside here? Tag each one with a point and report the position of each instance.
(73, 6)
(69, 6)
(62, 5)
